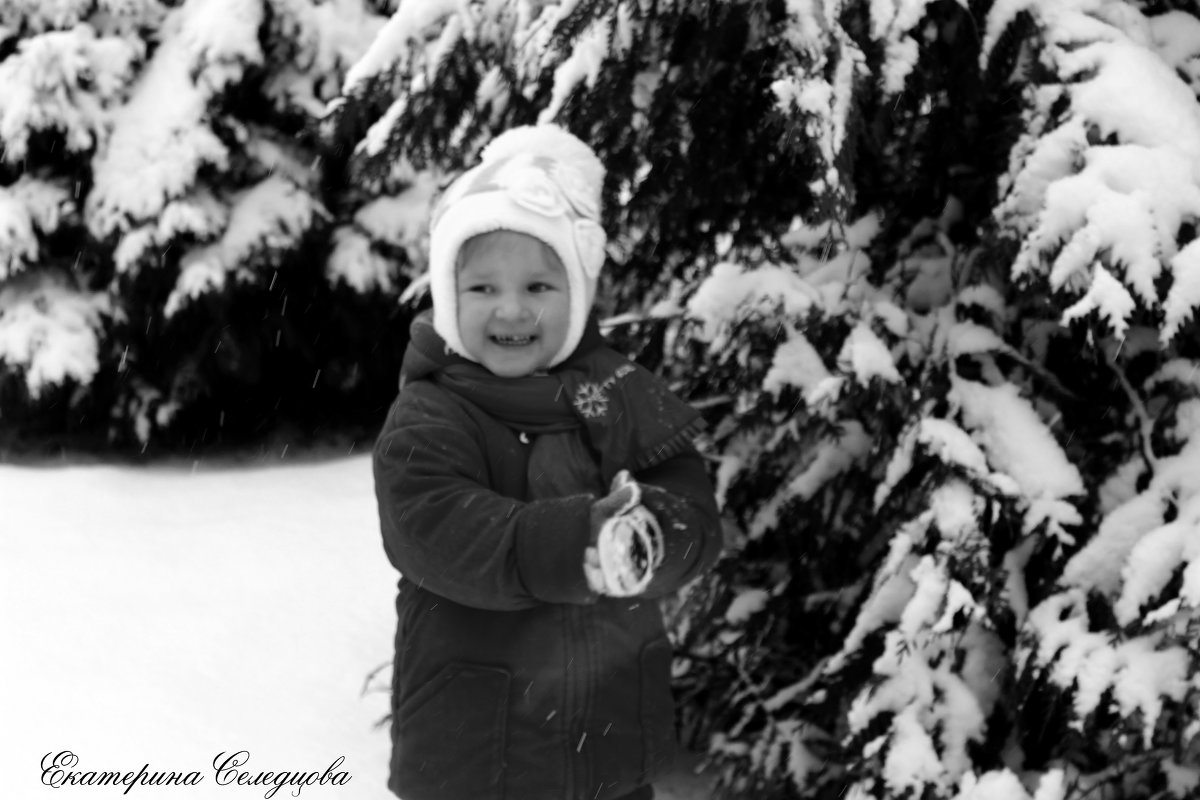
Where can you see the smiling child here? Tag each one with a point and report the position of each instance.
(512, 302)
(537, 491)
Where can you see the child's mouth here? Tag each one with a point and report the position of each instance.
(513, 341)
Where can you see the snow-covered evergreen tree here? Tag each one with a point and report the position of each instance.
(929, 268)
(165, 221)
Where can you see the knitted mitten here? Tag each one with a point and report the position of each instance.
(627, 542)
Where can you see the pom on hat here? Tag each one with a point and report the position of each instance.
(538, 180)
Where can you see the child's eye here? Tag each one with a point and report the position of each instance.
(540, 287)
(479, 288)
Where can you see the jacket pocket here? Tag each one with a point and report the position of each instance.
(449, 736)
(657, 708)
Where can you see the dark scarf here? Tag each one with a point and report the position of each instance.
(629, 415)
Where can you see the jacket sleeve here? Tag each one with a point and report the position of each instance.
(445, 530)
(680, 495)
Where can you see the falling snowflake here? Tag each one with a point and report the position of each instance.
(591, 401)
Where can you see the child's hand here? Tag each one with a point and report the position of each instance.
(627, 543)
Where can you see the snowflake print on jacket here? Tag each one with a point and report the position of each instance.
(591, 399)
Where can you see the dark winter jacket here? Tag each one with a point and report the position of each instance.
(512, 680)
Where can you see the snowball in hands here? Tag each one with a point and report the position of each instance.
(627, 544)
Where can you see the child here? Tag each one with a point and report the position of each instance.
(537, 491)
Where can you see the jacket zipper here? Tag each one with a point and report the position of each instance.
(583, 667)
(569, 701)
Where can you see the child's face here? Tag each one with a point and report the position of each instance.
(513, 303)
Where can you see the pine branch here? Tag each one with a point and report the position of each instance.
(705, 403)
(1139, 408)
(634, 318)
(1099, 780)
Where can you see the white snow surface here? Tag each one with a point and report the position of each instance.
(164, 615)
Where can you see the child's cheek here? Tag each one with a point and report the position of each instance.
(470, 301)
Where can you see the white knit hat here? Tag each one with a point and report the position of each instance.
(538, 180)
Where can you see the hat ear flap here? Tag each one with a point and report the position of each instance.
(589, 242)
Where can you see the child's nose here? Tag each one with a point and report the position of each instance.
(511, 307)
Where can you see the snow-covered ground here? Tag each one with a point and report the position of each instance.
(163, 616)
(166, 615)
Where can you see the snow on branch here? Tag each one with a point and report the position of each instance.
(395, 43)
(398, 221)
(893, 23)
(162, 136)
(63, 81)
(28, 207)
(831, 457)
(933, 691)
(824, 105)
(108, 16)
(329, 38)
(795, 363)
(160, 140)
(590, 50)
(1101, 196)
(50, 331)
(828, 281)
(942, 439)
(199, 214)
(1018, 443)
(219, 38)
(354, 262)
(1144, 561)
(865, 356)
(264, 220)
(1135, 673)
(731, 294)
(1184, 294)
(1136, 549)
